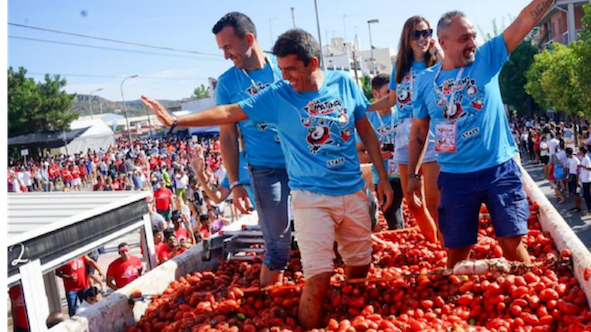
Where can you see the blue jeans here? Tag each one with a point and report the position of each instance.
(72, 297)
(271, 191)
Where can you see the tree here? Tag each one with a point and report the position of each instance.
(553, 79)
(512, 79)
(36, 107)
(582, 50)
(366, 87)
(200, 92)
(560, 77)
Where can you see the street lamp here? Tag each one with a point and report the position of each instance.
(89, 101)
(369, 23)
(125, 108)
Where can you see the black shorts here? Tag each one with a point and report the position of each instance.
(545, 159)
(572, 183)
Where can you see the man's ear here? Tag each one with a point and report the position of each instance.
(249, 38)
(442, 43)
(314, 63)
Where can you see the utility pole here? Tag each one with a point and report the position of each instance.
(322, 65)
(355, 67)
(293, 19)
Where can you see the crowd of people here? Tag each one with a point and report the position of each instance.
(563, 153)
(437, 133)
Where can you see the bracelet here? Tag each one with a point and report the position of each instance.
(175, 122)
(234, 184)
(415, 176)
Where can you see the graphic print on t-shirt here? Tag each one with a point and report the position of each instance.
(404, 89)
(253, 90)
(468, 99)
(328, 125)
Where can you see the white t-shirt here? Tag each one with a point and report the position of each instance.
(585, 175)
(181, 183)
(561, 155)
(544, 149)
(553, 146)
(27, 179)
(573, 162)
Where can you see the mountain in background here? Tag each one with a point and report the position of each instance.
(134, 107)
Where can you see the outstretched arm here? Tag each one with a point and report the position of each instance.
(218, 115)
(525, 22)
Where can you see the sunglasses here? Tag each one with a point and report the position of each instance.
(425, 33)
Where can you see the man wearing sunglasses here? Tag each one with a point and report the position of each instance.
(460, 101)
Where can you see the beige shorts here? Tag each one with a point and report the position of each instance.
(320, 220)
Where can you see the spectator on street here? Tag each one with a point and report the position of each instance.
(124, 269)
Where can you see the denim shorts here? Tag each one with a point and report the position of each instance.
(499, 187)
(271, 192)
(402, 139)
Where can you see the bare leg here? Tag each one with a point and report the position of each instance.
(270, 277)
(311, 309)
(456, 255)
(421, 214)
(513, 249)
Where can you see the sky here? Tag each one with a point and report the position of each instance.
(185, 25)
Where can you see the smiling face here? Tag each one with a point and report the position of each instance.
(422, 44)
(294, 71)
(237, 49)
(459, 42)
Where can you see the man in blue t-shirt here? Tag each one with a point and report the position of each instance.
(384, 123)
(316, 114)
(460, 101)
(253, 71)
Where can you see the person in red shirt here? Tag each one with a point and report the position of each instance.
(163, 198)
(76, 181)
(172, 249)
(159, 244)
(18, 309)
(66, 176)
(124, 269)
(76, 280)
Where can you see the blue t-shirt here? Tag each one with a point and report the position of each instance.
(483, 135)
(404, 89)
(316, 130)
(385, 128)
(243, 176)
(261, 142)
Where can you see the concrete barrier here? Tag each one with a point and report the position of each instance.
(114, 314)
(563, 236)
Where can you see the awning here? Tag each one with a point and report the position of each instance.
(48, 139)
(49, 227)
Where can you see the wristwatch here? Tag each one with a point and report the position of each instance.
(415, 176)
(175, 122)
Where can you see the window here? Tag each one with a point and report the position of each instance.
(565, 38)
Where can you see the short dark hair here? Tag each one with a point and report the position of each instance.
(569, 151)
(91, 292)
(122, 244)
(583, 149)
(379, 81)
(445, 21)
(240, 22)
(298, 42)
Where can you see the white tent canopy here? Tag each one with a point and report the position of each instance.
(98, 136)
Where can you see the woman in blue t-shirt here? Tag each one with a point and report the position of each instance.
(417, 51)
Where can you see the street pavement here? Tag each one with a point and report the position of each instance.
(579, 224)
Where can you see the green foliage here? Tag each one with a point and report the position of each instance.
(200, 92)
(366, 87)
(512, 79)
(560, 77)
(36, 107)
